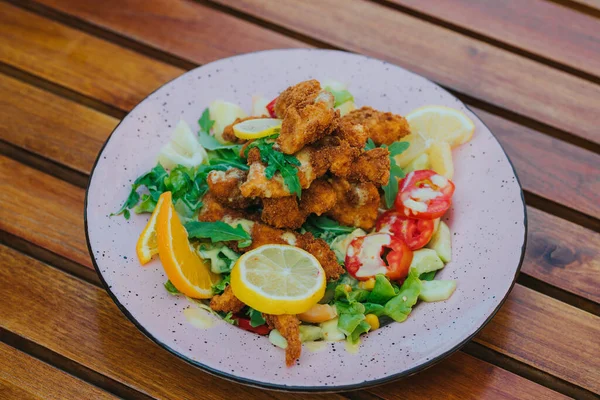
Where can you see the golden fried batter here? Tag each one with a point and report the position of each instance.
(318, 198)
(355, 134)
(226, 302)
(264, 234)
(257, 184)
(228, 134)
(297, 97)
(225, 187)
(357, 203)
(306, 126)
(211, 210)
(371, 166)
(341, 157)
(288, 326)
(323, 253)
(383, 128)
(283, 212)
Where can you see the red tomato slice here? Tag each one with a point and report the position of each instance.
(416, 233)
(271, 107)
(244, 323)
(378, 253)
(424, 194)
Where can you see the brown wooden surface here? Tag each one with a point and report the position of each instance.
(69, 69)
(539, 27)
(24, 377)
(114, 347)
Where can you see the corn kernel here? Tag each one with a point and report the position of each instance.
(373, 321)
(367, 285)
(347, 288)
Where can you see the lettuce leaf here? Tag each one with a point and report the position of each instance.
(382, 292)
(400, 306)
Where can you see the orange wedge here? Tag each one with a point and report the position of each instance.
(189, 273)
(147, 246)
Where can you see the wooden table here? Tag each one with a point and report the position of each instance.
(71, 69)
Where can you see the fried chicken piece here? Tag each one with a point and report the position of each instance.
(264, 234)
(318, 198)
(307, 125)
(225, 187)
(228, 133)
(288, 326)
(323, 253)
(297, 97)
(283, 212)
(371, 166)
(212, 210)
(357, 203)
(355, 134)
(383, 128)
(341, 157)
(226, 302)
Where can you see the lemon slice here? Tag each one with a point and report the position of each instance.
(189, 273)
(257, 128)
(441, 123)
(440, 156)
(147, 246)
(278, 279)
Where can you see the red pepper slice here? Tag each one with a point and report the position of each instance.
(244, 323)
(271, 107)
(378, 253)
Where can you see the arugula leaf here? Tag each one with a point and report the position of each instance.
(171, 288)
(427, 276)
(370, 145)
(330, 225)
(400, 306)
(382, 292)
(220, 286)
(397, 148)
(205, 122)
(277, 161)
(148, 204)
(209, 142)
(153, 180)
(217, 231)
(228, 317)
(390, 190)
(256, 318)
(340, 96)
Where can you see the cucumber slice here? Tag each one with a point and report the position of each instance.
(421, 162)
(436, 290)
(310, 333)
(425, 260)
(331, 332)
(278, 340)
(441, 242)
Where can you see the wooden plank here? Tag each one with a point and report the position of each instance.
(595, 4)
(78, 61)
(24, 377)
(466, 65)
(565, 340)
(562, 254)
(36, 121)
(137, 362)
(539, 27)
(67, 240)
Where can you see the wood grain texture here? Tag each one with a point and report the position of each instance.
(564, 255)
(184, 28)
(77, 60)
(459, 62)
(37, 192)
(51, 126)
(24, 377)
(539, 27)
(115, 348)
(569, 345)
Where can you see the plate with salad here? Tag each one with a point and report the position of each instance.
(305, 220)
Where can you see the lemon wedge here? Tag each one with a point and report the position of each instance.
(189, 273)
(440, 156)
(278, 279)
(147, 246)
(441, 123)
(257, 128)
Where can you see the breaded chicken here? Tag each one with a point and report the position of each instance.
(225, 187)
(341, 156)
(226, 302)
(307, 125)
(288, 326)
(264, 234)
(357, 203)
(323, 253)
(228, 134)
(297, 97)
(371, 166)
(283, 212)
(318, 198)
(355, 134)
(212, 210)
(383, 128)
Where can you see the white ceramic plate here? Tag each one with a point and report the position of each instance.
(487, 219)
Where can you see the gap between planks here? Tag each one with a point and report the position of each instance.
(590, 7)
(171, 59)
(472, 348)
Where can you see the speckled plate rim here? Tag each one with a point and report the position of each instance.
(305, 389)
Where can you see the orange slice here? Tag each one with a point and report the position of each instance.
(189, 273)
(147, 246)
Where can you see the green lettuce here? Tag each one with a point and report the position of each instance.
(401, 305)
